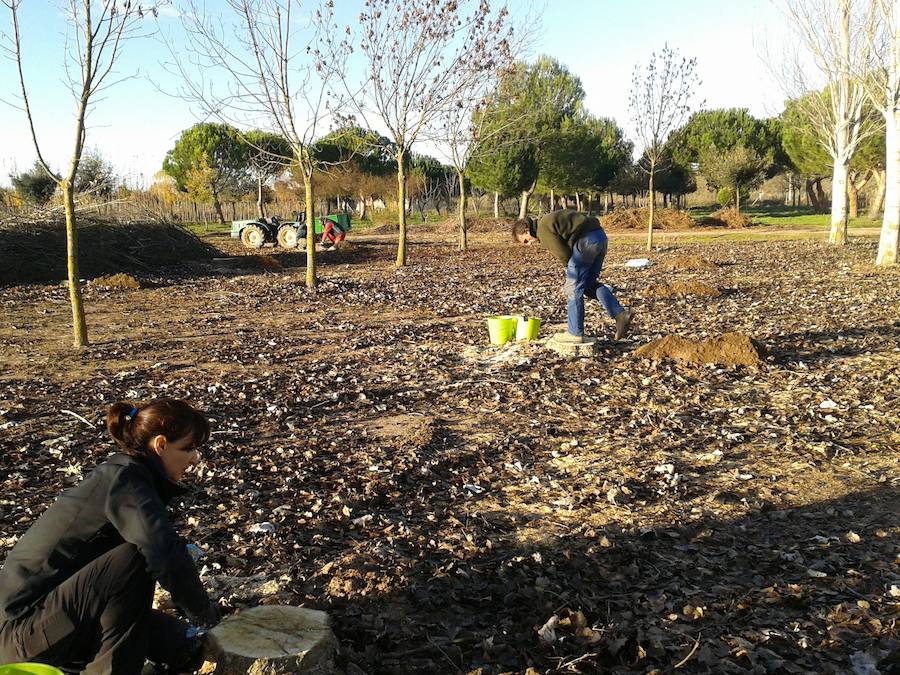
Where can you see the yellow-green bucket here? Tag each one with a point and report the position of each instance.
(501, 329)
(527, 328)
(29, 669)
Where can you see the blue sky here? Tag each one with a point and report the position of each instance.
(135, 122)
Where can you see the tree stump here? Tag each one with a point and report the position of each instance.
(271, 640)
(585, 348)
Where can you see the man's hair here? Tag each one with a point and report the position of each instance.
(522, 226)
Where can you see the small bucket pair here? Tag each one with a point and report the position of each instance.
(505, 328)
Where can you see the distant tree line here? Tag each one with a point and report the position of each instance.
(540, 142)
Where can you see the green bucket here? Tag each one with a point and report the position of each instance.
(501, 329)
(527, 328)
(29, 669)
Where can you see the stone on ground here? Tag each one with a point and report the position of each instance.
(271, 640)
(728, 349)
(585, 348)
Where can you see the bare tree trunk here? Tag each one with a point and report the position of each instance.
(811, 195)
(362, 206)
(496, 205)
(605, 203)
(878, 202)
(577, 202)
(260, 211)
(79, 325)
(852, 197)
(401, 209)
(889, 241)
(463, 239)
(821, 197)
(311, 280)
(552, 201)
(737, 198)
(650, 208)
(523, 203)
(218, 207)
(838, 234)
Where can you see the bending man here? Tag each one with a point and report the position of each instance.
(578, 241)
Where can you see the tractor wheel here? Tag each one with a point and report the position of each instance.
(253, 236)
(287, 236)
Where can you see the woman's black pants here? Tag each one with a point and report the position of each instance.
(99, 620)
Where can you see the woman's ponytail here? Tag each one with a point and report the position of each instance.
(132, 426)
(120, 423)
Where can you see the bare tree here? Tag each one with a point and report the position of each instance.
(883, 87)
(271, 82)
(463, 130)
(660, 101)
(98, 31)
(419, 59)
(820, 71)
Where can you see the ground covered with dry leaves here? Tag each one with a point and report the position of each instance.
(458, 507)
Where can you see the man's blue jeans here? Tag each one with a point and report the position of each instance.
(581, 280)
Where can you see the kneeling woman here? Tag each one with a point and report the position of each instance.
(77, 588)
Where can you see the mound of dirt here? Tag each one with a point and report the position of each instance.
(631, 219)
(346, 245)
(409, 431)
(486, 224)
(728, 349)
(681, 288)
(37, 251)
(689, 263)
(387, 228)
(394, 228)
(261, 262)
(730, 218)
(120, 280)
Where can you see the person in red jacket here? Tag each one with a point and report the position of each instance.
(76, 590)
(578, 241)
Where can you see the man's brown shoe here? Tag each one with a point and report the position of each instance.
(623, 320)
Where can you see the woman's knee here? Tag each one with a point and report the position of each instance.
(125, 568)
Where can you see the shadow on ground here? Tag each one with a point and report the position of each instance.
(803, 590)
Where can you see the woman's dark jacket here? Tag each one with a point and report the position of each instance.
(122, 500)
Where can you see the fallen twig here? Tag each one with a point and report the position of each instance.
(690, 654)
(446, 656)
(75, 414)
(572, 662)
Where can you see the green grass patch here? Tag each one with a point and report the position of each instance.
(787, 216)
(207, 228)
(413, 218)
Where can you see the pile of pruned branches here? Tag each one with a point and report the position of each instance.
(33, 247)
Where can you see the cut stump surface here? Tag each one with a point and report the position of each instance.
(273, 639)
(585, 348)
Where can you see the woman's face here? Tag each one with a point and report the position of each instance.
(176, 456)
